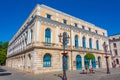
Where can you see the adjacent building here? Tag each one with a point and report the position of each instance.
(114, 41)
(36, 47)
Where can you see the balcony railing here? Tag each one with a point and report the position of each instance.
(48, 44)
(68, 47)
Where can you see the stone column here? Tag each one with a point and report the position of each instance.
(32, 62)
(94, 43)
(25, 63)
(57, 33)
(38, 26)
(83, 65)
(72, 36)
(87, 42)
(80, 40)
(28, 39)
(97, 62)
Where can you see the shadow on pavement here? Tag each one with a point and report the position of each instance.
(2, 70)
(5, 74)
(59, 75)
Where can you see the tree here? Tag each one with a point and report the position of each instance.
(2, 57)
(5, 45)
(89, 56)
(1, 45)
(3, 52)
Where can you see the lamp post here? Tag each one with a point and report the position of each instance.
(64, 39)
(105, 46)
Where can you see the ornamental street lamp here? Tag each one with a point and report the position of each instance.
(105, 46)
(64, 39)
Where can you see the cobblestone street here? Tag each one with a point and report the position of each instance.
(11, 74)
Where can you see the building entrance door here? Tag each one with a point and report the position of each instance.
(78, 62)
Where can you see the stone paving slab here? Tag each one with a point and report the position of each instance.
(100, 74)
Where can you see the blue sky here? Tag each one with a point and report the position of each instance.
(103, 13)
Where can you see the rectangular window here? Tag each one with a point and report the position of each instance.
(48, 16)
(96, 31)
(114, 44)
(83, 27)
(31, 35)
(76, 25)
(26, 37)
(103, 34)
(64, 21)
(115, 51)
(89, 29)
(117, 61)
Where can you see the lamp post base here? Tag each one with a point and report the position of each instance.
(108, 71)
(64, 66)
(64, 77)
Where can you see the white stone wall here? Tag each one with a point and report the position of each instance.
(115, 39)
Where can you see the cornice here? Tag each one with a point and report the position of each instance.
(28, 24)
(31, 48)
(55, 24)
(114, 40)
(60, 12)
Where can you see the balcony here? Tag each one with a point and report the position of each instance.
(48, 44)
(69, 48)
(87, 50)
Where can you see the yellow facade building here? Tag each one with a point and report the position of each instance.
(36, 47)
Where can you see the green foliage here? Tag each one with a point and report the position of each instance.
(3, 52)
(5, 45)
(0, 44)
(89, 56)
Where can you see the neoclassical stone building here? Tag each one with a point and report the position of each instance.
(36, 48)
(114, 41)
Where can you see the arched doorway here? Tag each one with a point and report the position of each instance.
(99, 62)
(93, 63)
(65, 60)
(78, 62)
(86, 62)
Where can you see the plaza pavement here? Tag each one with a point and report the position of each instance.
(100, 74)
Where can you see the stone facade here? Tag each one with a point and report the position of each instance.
(115, 49)
(29, 46)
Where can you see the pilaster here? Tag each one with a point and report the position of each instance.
(73, 40)
(57, 38)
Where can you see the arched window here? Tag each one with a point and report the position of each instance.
(47, 60)
(99, 62)
(94, 63)
(76, 41)
(48, 35)
(97, 44)
(90, 43)
(84, 42)
(86, 62)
